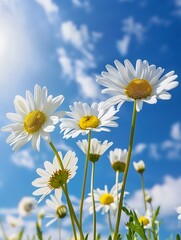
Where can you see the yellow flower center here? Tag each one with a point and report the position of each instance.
(106, 199)
(143, 220)
(138, 89)
(33, 121)
(88, 122)
(58, 178)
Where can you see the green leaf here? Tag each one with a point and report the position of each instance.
(98, 237)
(21, 234)
(178, 237)
(110, 238)
(86, 237)
(39, 232)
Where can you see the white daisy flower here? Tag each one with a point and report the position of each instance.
(26, 206)
(118, 159)
(34, 118)
(146, 220)
(178, 209)
(53, 177)
(59, 210)
(139, 166)
(96, 148)
(144, 83)
(84, 118)
(14, 221)
(105, 200)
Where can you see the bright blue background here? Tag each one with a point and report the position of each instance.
(30, 37)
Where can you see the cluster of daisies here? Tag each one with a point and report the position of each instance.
(36, 116)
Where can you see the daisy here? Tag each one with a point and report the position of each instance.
(96, 148)
(118, 159)
(34, 118)
(178, 209)
(26, 206)
(59, 209)
(105, 200)
(144, 83)
(14, 221)
(146, 220)
(139, 166)
(84, 118)
(53, 177)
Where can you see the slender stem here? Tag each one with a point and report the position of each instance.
(110, 223)
(143, 189)
(65, 189)
(73, 212)
(126, 171)
(71, 215)
(57, 155)
(93, 201)
(59, 229)
(84, 179)
(117, 181)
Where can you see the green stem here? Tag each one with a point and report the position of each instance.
(117, 181)
(84, 179)
(65, 189)
(73, 213)
(143, 189)
(126, 171)
(93, 201)
(110, 223)
(59, 229)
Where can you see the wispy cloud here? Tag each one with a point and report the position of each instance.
(156, 20)
(23, 158)
(167, 149)
(49, 6)
(82, 4)
(77, 65)
(131, 29)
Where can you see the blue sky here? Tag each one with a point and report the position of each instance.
(63, 45)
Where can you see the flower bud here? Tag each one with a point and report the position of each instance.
(139, 166)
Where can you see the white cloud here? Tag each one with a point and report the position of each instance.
(76, 64)
(133, 28)
(88, 85)
(65, 63)
(123, 45)
(170, 188)
(48, 5)
(176, 131)
(168, 149)
(156, 20)
(82, 4)
(80, 38)
(23, 159)
(139, 148)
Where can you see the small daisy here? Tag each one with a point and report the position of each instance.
(84, 118)
(26, 206)
(105, 200)
(118, 159)
(14, 221)
(53, 177)
(96, 148)
(59, 209)
(178, 209)
(34, 118)
(144, 83)
(146, 220)
(139, 166)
